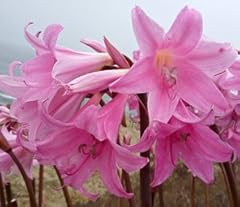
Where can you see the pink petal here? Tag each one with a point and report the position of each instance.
(94, 44)
(127, 160)
(50, 35)
(110, 117)
(156, 130)
(95, 81)
(78, 179)
(34, 41)
(13, 86)
(197, 165)
(164, 163)
(162, 103)
(212, 57)
(71, 66)
(86, 118)
(53, 151)
(108, 171)
(141, 78)
(117, 57)
(37, 71)
(184, 114)
(211, 144)
(185, 32)
(198, 90)
(148, 33)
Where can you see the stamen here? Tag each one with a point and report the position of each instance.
(184, 136)
(89, 150)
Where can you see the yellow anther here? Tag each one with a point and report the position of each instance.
(163, 58)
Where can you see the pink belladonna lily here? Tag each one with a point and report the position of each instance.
(176, 65)
(69, 64)
(91, 146)
(9, 128)
(196, 145)
(229, 129)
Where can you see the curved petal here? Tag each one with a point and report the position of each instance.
(13, 86)
(148, 33)
(72, 65)
(128, 161)
(185, 32)
(211, 144)
(212, 57)
(37, 71)
(94, 44)
(34, 41)
(197, 165)
(117, 57)
(199, 90)
(95, 81)
(50, 35)
(185, 114)
(110, 117)
(164, 163)
(162, 103)
(78, 179)
(108, 171)
(141, 78)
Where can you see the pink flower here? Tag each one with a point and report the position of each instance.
(229, 129)
(90, 146)
(68, 64)
(194, 144)
(176, 65)
(9, 127)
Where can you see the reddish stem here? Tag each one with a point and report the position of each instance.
(128, 187)
(192, 191)
(145, 189)
(64, 189)
(2, 196)
(232, 183)
(26, 179)
(40, 187)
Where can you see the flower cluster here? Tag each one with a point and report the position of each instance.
(70, 105)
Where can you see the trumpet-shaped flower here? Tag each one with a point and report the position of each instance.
(90, 146)
(9, 127)
(194, 144)
(176, 65)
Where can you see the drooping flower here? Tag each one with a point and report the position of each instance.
(194, 144)
(8, 130)
(90, 146)
(228, 128)
(177, 65)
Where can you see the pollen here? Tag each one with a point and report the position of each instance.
(163, 58)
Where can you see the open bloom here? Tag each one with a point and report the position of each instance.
(91, 145)
(194, 144)
(176, 65)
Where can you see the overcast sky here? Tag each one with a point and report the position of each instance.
(96, 18)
